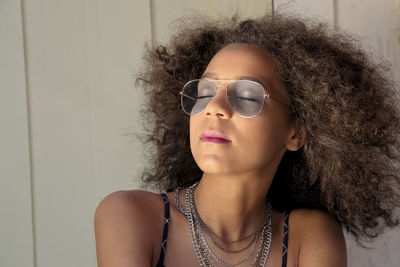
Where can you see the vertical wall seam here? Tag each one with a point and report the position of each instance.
(93, 46)
(335, 14)
(29, 128)
(273, 7)
(93, 55)
(152, 23)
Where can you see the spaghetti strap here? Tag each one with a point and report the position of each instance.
(160, 262)
(285, 239)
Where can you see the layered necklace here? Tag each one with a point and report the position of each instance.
(205, 255)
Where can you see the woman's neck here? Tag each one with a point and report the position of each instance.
(232, 206)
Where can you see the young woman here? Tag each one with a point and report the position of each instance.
(288, 134)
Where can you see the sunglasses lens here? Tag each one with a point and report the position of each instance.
(246, 98)
(196, 95)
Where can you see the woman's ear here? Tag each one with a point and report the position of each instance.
(296, 139)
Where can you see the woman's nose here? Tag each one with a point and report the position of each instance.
(219, 106)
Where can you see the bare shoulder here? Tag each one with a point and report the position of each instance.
(132, 205)
(126, 224)
(320, 238)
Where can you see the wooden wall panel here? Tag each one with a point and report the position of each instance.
(16, 230)
(61, 131)
(165, 13)
(377, 24)
(321, 9)
(81, 56)
(117, 33)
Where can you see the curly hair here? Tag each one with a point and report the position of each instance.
(344, 103)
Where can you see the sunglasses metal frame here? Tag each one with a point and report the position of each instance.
(226, 92)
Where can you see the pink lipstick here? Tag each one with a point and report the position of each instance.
(214, 137)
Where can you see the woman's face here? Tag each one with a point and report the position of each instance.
(255, 145)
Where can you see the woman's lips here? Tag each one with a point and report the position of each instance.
(214, 137)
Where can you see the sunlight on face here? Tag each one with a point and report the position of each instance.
(223, 142)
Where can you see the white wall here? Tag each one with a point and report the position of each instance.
(16, 233)
(66, 92)
(67, 104)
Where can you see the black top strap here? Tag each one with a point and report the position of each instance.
(160, 262)
(285, 239)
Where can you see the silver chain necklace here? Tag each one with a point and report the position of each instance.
(210, 233)
(254, 240)
(178, 206)
(205, 244)
(201, 223)
(204, 253)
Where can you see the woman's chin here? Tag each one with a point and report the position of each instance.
(218, 166)
(214, 165)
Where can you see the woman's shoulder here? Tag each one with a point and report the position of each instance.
(127, 225)
(318, 237)
(136, 199)
(310, 218)
(132, 205)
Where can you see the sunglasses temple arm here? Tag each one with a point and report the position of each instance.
(280, 102)
(188, 96)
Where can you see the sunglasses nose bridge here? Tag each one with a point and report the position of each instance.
(221, 91)
(219, 104)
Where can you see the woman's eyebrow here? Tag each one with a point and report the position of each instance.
(250, 79)
(210, 75)
(216, 77)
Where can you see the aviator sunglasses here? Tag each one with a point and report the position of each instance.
(246, 97)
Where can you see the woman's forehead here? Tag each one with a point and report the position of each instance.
(246, 60)
(241, 58)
